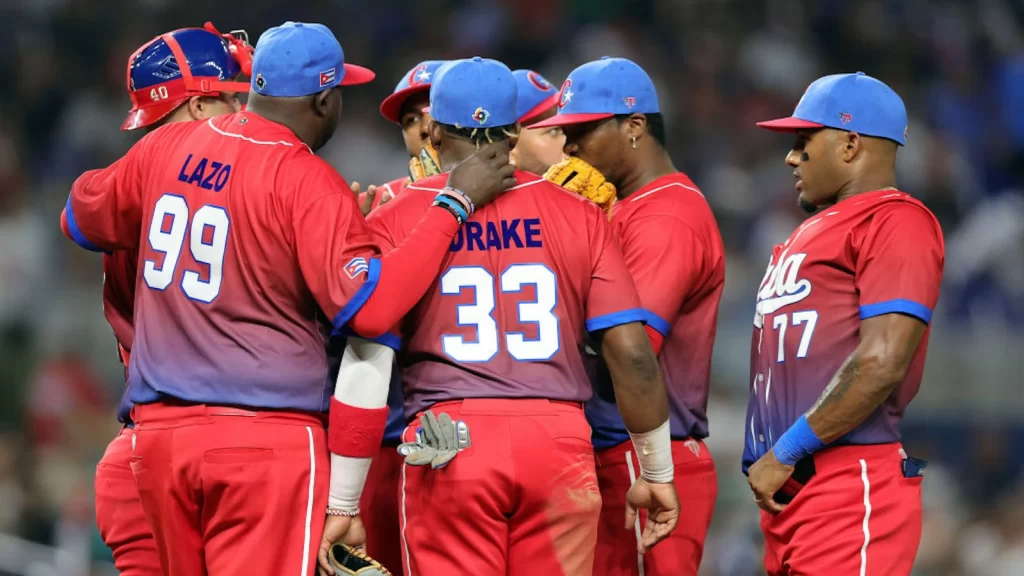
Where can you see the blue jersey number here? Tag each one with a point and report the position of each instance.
(480, 314)
(167, 231)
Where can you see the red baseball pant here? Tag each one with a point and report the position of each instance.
(231, 491)
(680, 553)
(521, 500)
(119, 515)
(857, 516)
(379, 506)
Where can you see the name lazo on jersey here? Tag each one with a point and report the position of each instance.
(781, 286)
(206, 174)
(500, 235)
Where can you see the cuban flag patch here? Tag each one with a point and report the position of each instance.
(327, 77)
(356, 266)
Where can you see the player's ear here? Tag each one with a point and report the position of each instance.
(322, 102)
(436, 134)
(635, 126)
(196, 107)
(850, 146)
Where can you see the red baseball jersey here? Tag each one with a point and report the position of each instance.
(119, 272)
(392, 189)
(674, 252)
(246, 239)
(873, 254)
(522, 280)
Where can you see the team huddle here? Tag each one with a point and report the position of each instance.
(499, 363)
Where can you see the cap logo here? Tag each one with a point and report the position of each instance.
(845, 118)
(260, 82)
(538, 82)
(905, 128)
(327, 77)
(481, 115)
(629, 101)
(566, 93)
(419, 75)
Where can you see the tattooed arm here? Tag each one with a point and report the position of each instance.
(866, 379)
(869, 375)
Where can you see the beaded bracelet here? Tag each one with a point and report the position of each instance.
(340, 512)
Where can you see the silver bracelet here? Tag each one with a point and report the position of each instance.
(340, 512)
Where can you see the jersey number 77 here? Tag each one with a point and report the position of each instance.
(480, 314)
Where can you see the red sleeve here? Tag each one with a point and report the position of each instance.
(352, 284)
(332, 242)
(666, 261)
(406, 272)
(612, 299)
(104, 209)
(386, 223)
(899, 264)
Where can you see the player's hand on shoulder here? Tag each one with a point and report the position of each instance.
(485, 174)
(339, 530)
(662, 505)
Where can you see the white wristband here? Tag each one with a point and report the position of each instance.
(654, 451)
(363, 380)
(348, 476)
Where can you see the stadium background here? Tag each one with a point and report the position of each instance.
(719, 65)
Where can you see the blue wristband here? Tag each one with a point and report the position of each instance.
(452, 204)
(796, 443)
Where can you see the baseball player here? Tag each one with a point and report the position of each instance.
(252, 252)
(203, 63)
(405, 107)
(839, 343)
(673, 250)
(380, 496)
(495, 346)
(536, 150)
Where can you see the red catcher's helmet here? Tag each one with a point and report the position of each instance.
(171, 68)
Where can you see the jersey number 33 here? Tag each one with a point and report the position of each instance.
(480, 314)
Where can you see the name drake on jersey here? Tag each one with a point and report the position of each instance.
(502, 235)
(781, 286)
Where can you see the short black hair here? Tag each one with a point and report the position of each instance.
(655, 125)
(480, 136)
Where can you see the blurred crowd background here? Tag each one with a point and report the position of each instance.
(720, 65)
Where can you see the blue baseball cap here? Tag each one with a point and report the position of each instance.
(602, 89)
(298, 59)
(414, 82)
(850, 102)
(474, 93)
(535, 95)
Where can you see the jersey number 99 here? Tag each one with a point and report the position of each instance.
(168, 240)
(480, 314)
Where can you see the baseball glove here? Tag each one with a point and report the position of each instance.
(426, 164)
(577, 176)
(347, 560)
